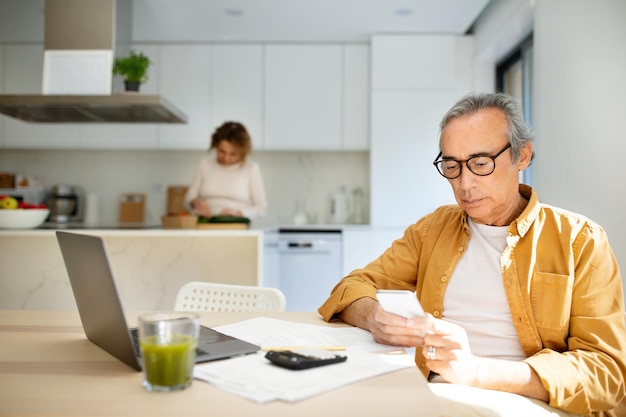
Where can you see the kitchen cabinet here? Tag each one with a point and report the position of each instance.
(185, 81)
(414, 62)
(236, 84)
(409, 99)
(356, 97)
(362, 246)
(290, 97)
(271, 259)
(303, 87)
(23, 74)
(126, 135)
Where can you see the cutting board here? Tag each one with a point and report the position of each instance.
(222, 226)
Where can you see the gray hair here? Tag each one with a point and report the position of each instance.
(519, 133)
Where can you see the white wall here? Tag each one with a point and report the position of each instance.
(579, 105)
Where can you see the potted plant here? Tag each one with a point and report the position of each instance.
(134, 69)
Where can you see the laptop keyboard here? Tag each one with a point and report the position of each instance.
(134, 335)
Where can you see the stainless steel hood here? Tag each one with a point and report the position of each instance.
(116, 108)
(87, 25)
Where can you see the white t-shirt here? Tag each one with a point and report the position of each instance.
(475, 298)
(238, 186)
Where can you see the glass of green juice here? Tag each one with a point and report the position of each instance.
(168, 342)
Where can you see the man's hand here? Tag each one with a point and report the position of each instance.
(450, 355)
(453, 359)
(386, 328)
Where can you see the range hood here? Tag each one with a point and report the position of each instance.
(87, 25)
(116, 108)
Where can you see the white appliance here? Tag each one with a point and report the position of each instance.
(310, 262)
(340, 207)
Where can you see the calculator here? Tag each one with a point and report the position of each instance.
(303, 359)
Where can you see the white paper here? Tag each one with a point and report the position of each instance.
(255, 378)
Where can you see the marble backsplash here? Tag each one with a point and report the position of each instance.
(292, 179)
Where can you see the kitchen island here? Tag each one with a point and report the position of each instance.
(150, 265)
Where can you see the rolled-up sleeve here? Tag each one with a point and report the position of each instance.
(396, 268)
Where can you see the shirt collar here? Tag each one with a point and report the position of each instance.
(530, 213)
(526, 218)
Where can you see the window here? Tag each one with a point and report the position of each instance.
(514, 76)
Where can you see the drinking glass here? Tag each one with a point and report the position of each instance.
(168, 342)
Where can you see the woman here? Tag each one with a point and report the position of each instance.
(225, 183)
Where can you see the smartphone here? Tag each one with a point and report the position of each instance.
(303, 359)
(400, 302)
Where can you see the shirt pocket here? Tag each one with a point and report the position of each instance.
(551, 299)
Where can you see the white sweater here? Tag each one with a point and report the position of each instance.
(238, 187)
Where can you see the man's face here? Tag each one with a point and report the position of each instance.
(493, 199)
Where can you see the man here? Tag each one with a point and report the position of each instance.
(522, 297)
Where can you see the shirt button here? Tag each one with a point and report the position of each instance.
(461, 248)
(444, 278)
(436, 313)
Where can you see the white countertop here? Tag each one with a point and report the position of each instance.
(158, 231)
(133, 232)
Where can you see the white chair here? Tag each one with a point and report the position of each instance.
(208, 296)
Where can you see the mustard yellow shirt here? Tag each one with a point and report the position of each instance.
(563, 287)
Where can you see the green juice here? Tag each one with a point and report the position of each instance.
(168, 367)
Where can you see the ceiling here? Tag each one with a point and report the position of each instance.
(260, 20)
(298, 20)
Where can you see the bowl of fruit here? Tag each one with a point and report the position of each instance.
(16, 214)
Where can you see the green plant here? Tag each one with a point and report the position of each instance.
(133, 67)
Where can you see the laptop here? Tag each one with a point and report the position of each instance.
(101, 312)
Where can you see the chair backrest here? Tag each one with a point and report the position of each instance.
(208, 296)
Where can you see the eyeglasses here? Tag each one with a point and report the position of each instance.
(481, 165)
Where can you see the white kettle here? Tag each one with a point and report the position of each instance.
(340, 207)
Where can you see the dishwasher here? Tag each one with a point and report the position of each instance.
(310, 264)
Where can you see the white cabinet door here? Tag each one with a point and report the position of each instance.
(22, 74)
(237, 88)
(184, 81)
(414, 82)
(414, 62)
(381, 240)
(360, 247)
(126, 135)
(356, 102)
(271, 260)
(303, 97)
(404, 184)
(356, 250)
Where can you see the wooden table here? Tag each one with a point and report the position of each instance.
(49, 368)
